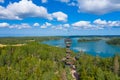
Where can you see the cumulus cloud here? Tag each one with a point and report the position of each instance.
(46, 25)
(36, 24)
(4, 24)
(100, 22)
(22, 9)
(82, 24)
(17, 26)
(1, 1)
(114, 23)
(98, 6)
(66, 25)
(20, 26)
(96, 24)
(44, 1)
(26, 8)
(60, 16)
(104, 23)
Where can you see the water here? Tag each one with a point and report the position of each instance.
(94, 48)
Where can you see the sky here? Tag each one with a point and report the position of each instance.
(59, 17)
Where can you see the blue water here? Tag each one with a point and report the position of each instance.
(94, 48)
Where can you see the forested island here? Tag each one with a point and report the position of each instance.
(88, 40)
(37, 61)
(114, 41)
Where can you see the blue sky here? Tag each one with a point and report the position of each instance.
(59, 17)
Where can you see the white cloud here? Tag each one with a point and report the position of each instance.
(36, 24)
(4, 24)
(104, 23)
(46, 25)
(60, 16)
(98, 6)
(44, 1)
(66, 25)
(96, 24)
(1, 1)
(100, 22)
(26, 8)
(22, 9)
(7, 14)
(82, 24)
(114, 23)
(63, 27)
(20, 26)
(17, 26)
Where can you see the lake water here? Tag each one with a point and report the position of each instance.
(94, 48)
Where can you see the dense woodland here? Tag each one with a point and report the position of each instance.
(114, 41)
(36, 61)
(33, 61)
(96, 68)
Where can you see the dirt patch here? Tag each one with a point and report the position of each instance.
(2, 45)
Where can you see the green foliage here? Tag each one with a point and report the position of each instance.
(96, 68)
(23, 40)
(33, 61)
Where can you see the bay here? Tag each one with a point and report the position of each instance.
(99, 48)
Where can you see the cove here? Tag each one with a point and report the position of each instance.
(100, 48)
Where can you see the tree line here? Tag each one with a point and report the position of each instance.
(23, 40)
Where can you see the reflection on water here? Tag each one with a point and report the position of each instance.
(94, 48)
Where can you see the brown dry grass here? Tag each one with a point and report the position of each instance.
(2, 45)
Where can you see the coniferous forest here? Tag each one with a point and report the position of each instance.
(33, 61)
(36, 61)
(96, 68)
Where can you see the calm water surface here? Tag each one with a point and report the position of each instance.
(94, 47)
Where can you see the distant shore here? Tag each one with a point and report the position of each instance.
(114, 41)
(88, 40)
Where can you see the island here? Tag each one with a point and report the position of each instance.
(113, 41)
(88, 40)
